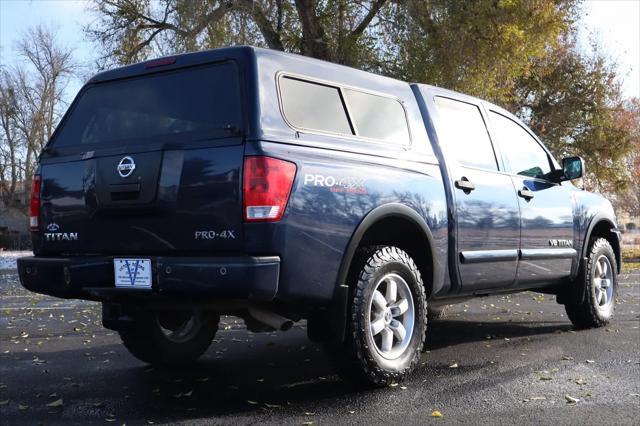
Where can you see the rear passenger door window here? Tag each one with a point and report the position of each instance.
(378, 117)
(522, 152)
(314, 106)
(463, 132)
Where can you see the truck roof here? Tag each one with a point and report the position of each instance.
(259, 57)
(242, 53)
(250, 54)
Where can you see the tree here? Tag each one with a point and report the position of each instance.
(480, 47)
(523, 56)
(10, 141)
(574, 102)
(31, 103)
(132, 30)
(629, 200)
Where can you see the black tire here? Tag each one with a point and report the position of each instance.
(362, 358)
(160, 337)
(591, 312)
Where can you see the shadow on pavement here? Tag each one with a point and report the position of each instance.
(443, 333)
(240, 374)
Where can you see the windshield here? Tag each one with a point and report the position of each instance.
(182, 105)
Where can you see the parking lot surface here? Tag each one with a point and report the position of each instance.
(494, 360)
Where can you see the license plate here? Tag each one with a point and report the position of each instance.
(132, 273)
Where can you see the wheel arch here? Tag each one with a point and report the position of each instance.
(411, 233)
(603, 226)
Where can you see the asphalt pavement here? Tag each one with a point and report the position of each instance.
(496, 360)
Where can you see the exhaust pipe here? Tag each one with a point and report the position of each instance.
(271, 319)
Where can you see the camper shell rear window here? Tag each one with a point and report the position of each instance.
(182, 105)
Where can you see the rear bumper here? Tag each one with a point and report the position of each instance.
(175, 278)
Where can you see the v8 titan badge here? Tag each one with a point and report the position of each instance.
(132, 273)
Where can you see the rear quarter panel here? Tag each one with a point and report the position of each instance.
(332, 193)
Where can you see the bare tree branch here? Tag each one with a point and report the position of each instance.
(366, 21)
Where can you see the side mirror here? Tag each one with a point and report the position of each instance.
(572, 168)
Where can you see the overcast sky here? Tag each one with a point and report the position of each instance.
(615, 24)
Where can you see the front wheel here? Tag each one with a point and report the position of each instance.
(599, 282)
(170, 337)
(388, 319)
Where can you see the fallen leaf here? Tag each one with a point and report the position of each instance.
(454, 365)
(567, 358)
(56, 403)
(581, 382)
(436, 413)
(590, 361)
(546, 378)
(266, 404)
(570, 399)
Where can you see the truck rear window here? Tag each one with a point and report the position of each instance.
(181, 105)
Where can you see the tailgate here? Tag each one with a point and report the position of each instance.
(148, 165)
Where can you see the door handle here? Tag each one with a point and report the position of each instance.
(525, 193)
(465, 185)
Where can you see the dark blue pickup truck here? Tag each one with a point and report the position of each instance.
(276, 188)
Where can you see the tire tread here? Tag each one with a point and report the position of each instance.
(354, 360)
(585, 314)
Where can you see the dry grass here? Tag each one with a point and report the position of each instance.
(630, 252)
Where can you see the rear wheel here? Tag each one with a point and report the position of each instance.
(388, 318)
(170, 337)
(599, 282)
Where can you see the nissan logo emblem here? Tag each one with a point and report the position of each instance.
(126, 166)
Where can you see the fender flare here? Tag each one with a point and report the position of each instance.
(578, 291)
(595, 220)
(340, 301)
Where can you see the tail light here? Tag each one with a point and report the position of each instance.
(266, 188)
(34, 204)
